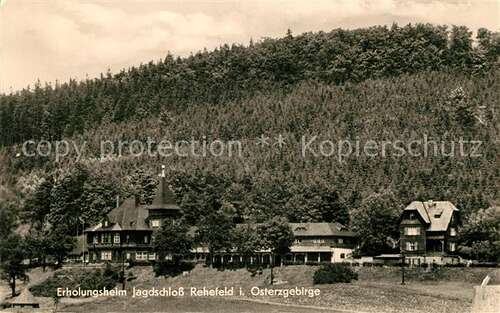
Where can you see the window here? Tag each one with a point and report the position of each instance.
(297, 241)
(106, 238)
(116, 238)
(106, 255)
(342, 255)
(96, 238)
(155, 223)
(106, 223)
(152, 256)
(412, 216)
(412, 231)
(453, 231)
(452, 246)
(141, 256)
(341, 240)
(317, 241)
(411, 246)
(146, 239)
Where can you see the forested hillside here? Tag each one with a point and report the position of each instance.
(235, 72)
(382, 84)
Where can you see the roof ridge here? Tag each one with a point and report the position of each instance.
(426, 211)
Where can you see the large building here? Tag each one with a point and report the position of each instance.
(126, 234)
(428, 230)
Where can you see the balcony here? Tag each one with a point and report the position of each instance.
(119, 245)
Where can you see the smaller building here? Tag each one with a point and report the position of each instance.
(322, 242)
(24, 301)
(428, 231)
(314, 243)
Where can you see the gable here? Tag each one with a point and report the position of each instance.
(418, 207)
(436, 214)
(412, 217)
(440, 213)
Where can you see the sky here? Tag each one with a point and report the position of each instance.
(54, 40)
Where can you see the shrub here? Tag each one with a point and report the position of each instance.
(170, 268)
(94, 280)
(428, 273)
(334, 273)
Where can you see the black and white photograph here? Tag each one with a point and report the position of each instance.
(264, 156)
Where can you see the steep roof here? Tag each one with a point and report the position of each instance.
(24, 298)
(437, 214)
(440, 213)
(128, 216)
(164, 198)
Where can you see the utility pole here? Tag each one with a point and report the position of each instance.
(84, 238)
(403, 268)
(123, 265)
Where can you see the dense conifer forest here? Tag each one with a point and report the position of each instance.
(379, 83)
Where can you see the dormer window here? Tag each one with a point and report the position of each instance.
(116, 238)
(412, 216)
(438, 214)
(106, 223)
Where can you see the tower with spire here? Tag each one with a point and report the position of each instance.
(164, 206)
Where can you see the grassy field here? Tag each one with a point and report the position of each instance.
(184, 305)
(377, 290)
